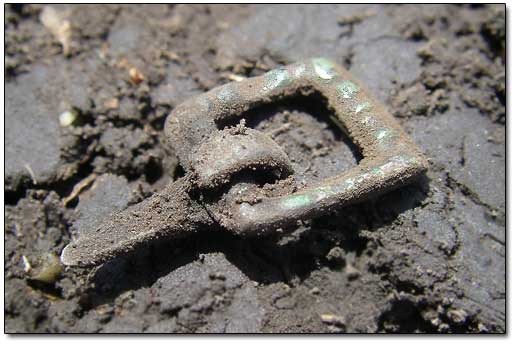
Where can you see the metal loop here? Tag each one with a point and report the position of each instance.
(390, 159)
(231, 151)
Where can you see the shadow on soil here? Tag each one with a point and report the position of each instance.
(289, 259)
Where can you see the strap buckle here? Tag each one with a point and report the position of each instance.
(214, 154)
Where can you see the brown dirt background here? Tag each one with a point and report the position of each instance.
(429, 257)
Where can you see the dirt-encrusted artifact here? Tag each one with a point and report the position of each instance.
(230, 168)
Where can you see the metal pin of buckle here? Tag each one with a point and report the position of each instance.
(217, 187)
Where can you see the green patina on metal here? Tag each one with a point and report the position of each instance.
(347, 89)
(383, 134)
(227, 94)
(324, 68)
(349, 183)
(326, 191)
(296, 201)
(412, 160)
(406, 159)
(367, 120)
(276, 78)
(299, 70)
(204, 103)
(390, 160)
(362, 107)
(377, 171)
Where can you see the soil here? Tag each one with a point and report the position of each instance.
(429, 257)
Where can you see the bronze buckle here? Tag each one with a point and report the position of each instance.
(390, 158)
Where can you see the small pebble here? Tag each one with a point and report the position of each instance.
(136, 76)
(112, 103)
(314, 291)
(336, 255)
(332, 319)
(351, 272)
(458, 315)
(48, 270)
(26, 264)
(67, 118)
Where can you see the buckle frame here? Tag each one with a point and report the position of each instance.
(390, 158)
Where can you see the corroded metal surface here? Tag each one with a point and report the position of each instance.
(171, 213)
(230, 151)
(390, 159)
(212, 154)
